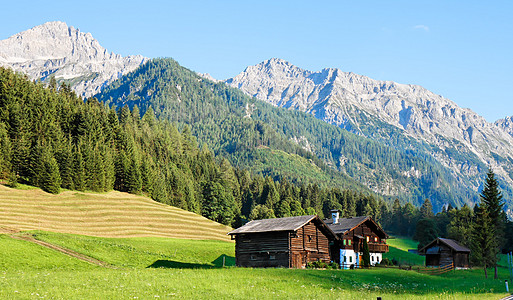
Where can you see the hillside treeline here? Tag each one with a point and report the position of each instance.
(234, 125)
(52, 139)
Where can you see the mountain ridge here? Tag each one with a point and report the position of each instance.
(340, 98)
(57, 50)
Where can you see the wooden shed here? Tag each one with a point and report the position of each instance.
(442, 252)
(284, 242)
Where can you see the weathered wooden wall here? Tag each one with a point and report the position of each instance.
(268, 249)
(282, 248)
(308, 244)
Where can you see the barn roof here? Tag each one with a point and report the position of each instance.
(280, 224)
(347, 224)
(450, 243)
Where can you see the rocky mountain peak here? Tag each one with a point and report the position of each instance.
(55, 49)
(505, 124)
(360, 104)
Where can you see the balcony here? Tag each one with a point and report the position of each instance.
(378, 248)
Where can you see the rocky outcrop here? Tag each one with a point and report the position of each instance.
(360, 104)
(505, 124)
(66, 53)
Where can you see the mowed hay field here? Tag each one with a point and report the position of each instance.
(112, 214)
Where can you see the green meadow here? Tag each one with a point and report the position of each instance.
(151, 267)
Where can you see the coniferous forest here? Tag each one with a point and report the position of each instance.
(52, 139)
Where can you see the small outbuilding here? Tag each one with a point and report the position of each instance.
(442, 252)
(290, 242)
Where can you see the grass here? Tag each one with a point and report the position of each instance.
(398, 250)
(112, 214)
(402, 243)
(163, 266)
(152, 267)
(146, 252)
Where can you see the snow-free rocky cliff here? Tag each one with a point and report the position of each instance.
(360, 104)
(54, 49)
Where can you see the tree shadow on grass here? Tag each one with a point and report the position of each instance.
(217, 263)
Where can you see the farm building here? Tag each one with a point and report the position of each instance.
(285, 242)
(347, 250)
(442, 252)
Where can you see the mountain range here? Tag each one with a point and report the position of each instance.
(407, 120)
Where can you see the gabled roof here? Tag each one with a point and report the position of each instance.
(280, 224)
(345, 225)
(450, 243)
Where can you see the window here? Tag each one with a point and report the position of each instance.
(372, 258)
(350, 259)
(272, 256)
(345, 242)
(367, 239)
(309, 238)
(253, 257)
(345, 258)
(349, 242)
(376, 239)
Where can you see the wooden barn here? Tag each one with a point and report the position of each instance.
(285, 242)
(352, 232)
(442, 252)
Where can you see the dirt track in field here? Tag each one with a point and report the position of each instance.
(30, 238)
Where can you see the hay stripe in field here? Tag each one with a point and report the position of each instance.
(112, 214)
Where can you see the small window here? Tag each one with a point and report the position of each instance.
(272, 256)
(345, 258)
(253, 257)
(367, 239)
(375, 238)
(350, 259)
(309, 238)
(372, 258)
(349, 242)
(345, 242)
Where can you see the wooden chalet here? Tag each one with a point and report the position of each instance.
(442, 252)
(285, 242)
(347, 250)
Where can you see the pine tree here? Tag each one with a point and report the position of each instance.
(50, 180)
(426, 210)
(491, 200)
(483, 244)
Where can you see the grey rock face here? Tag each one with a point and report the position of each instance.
(505, 124)
(342, 99)
(54, 49)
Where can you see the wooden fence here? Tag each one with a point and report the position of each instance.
(436, 271)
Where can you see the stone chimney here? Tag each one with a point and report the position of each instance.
(335, 214)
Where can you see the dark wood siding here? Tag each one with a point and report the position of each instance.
(376, 244)
(267, 249)
(447, 256)
(293, 249)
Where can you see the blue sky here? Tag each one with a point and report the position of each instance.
(462, 50)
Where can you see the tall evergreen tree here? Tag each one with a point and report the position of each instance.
(484, 246)
(491, 199)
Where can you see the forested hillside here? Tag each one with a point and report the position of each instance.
(237, 127)
(50, 138)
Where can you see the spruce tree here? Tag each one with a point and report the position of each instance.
(426, 210)
(491, 200)
(50, 179)
(483, 243)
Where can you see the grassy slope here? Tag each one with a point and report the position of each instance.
(112, 214)
(398, 249)
(188, 270)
